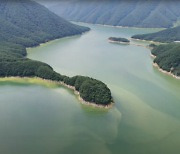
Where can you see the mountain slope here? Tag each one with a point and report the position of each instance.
(31, 23)
(139, 13)
(167, 35)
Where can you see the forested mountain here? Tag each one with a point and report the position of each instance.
(136, 13)
(167, 35)
(28, 23)
(24, 23)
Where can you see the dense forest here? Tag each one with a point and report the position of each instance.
(26, 24)
(167, 35)
(168, 57)
(91, 90)
(132, 13)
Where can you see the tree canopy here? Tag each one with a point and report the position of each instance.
(168, 57)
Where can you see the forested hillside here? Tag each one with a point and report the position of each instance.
(167, 35)
(24, 23)
(168, 57)
(136, 13)
(28, 23)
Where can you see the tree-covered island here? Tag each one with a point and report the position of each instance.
(27, 24)
(118, 40)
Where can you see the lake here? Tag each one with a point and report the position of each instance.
(44, 118)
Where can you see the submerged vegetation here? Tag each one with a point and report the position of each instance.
(27, 24)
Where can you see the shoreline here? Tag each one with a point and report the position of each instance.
(134, 39)
(128, 43)
(82, 101)
(76, 93)
(114, 26)
(147, 41)
(49, 41)
(153, 56)
(163, 71)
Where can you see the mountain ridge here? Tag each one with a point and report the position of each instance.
(152, 14)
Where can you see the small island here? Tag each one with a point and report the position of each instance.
(118, 40)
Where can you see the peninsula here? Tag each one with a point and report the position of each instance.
(118, 40)
(20, 29)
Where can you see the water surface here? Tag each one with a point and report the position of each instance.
(38, 118)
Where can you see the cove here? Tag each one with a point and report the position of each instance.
(145, 119)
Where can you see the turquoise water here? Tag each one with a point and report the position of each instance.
(37, 119)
